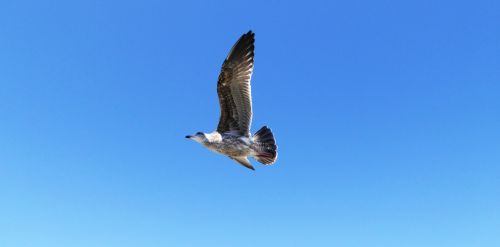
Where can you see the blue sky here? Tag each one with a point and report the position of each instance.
(386, 114)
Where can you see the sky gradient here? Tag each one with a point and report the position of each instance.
(386, 114)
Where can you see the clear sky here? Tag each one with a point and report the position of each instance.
(387, 117)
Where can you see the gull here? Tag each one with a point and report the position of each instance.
(232, 136)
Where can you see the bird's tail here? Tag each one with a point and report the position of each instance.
(264, 146)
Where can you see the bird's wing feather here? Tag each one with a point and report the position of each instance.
(243, 161)
(233, 87)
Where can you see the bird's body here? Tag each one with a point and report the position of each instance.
(232, 137)
(228, 144)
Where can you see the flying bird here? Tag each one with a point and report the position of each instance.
(232, 137)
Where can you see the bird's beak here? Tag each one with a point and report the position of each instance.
(189, 137)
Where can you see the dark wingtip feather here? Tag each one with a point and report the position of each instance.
(245, 42)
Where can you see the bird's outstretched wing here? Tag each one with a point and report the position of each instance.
(233, 87)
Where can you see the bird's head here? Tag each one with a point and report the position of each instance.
(198, 137)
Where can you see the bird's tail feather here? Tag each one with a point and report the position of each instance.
(266, 151)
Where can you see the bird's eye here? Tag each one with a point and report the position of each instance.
(199, 133)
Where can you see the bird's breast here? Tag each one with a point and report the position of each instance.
(232, 146)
